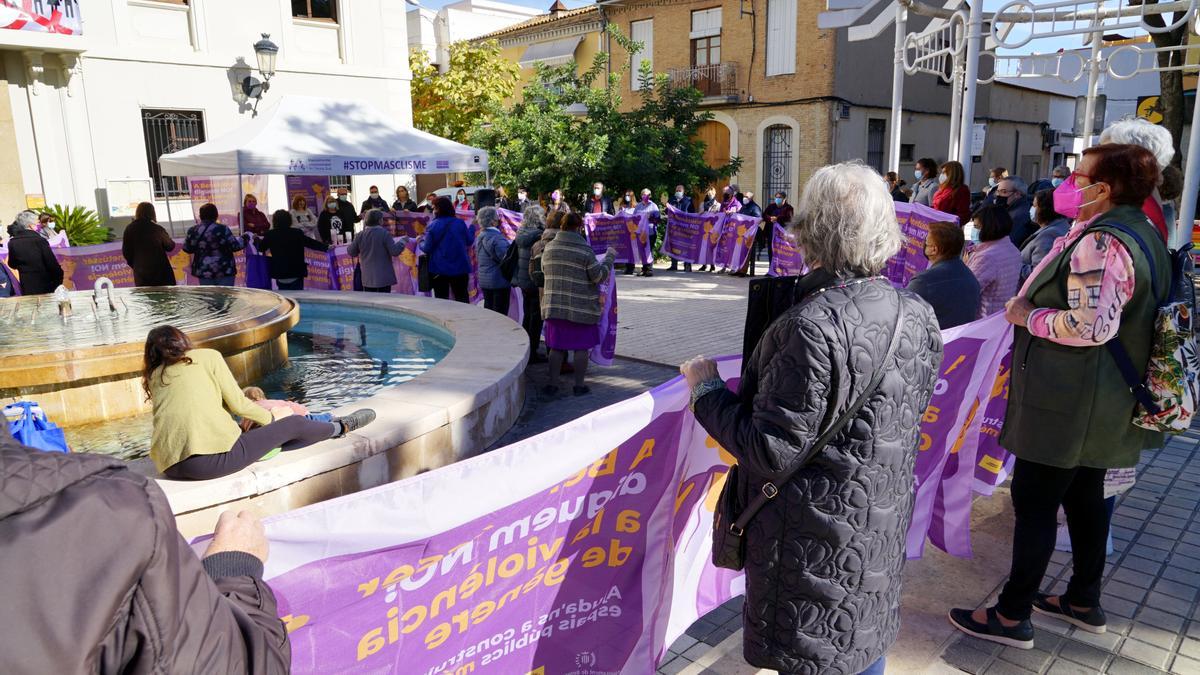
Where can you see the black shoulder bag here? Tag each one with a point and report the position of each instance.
(730, 518)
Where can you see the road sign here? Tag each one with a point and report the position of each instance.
(1148, 108)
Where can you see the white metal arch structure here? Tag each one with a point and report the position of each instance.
(1013, 26)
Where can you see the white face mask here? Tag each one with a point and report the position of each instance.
(678, 195)
(971, 233)
(991, 182)
(942, 178)
(521, 196)
(1033, 214)
(597, 191)
(374, 195)
(343, 197)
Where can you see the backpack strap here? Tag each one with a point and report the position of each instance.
(1135, 381)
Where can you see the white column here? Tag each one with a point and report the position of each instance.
(956, 97)
(1089, 114)
(1191, 185)
(971, 77)
(897, 88)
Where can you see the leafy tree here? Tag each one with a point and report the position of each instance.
(569, 131)
(1171, 100)
(452, 104)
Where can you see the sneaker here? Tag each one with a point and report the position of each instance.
(355, 420)
(1092, 621)
(581, 391)
(1019, 636)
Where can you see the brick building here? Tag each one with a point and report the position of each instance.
(785, 96)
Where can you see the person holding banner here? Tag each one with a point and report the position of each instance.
(1070, 416)
(571, 302)
(429, 204)
(446, 241)
(778, 212)
(253, 221)
(329, 223)
(681, 202)
(600, 203)
(557, 203)
(403, 201)
(212, 246)
(145, 245)
(374, 201)
(825, 549)
(646, 205)
(286, 245)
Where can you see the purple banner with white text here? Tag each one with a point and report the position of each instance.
(629, 235)
(914, 220)
(786, 258)
(737, 240)
(569, 551)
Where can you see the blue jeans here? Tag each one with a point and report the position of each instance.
(320, 417)
(217, 281)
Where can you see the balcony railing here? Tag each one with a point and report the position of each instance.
(716, 80)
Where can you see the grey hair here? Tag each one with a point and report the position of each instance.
(535, 216)
(1018, 184)
(26, 219)
(1140, 132)
(1061, 168)
(487, 217)
(374, 217)
(846, 220)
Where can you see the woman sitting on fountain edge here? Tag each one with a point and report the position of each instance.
(194, 437)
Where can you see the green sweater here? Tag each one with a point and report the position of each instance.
(1069, 406)
(190, 409)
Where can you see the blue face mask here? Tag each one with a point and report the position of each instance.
(779, 201)
(1057, 181)
(918, 174)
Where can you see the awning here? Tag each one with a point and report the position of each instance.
(553, 53)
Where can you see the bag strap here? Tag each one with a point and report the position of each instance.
(770, 488)
(1135, 381)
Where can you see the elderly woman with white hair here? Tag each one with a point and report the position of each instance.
(29, 255)
(825, 424)
(1156, 139)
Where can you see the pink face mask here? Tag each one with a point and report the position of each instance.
(1068, 199)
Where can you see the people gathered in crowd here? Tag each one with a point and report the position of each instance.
(212, 245)
(491, 246)
(254, 221)
(373, 201)
(304, 219)
(29, 255)
(1011, 194)
(403, 201)
(375, 247)
(1050, 226)
(533, 226)
(952, 195)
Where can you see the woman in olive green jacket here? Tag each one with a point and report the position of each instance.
(1070, 411)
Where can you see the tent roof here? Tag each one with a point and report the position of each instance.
(308, 135)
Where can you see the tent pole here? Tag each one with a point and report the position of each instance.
(897, 89)
(1191, 183)
(971, 77)
(167, 194)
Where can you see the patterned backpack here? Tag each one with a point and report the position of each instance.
(1168, 394)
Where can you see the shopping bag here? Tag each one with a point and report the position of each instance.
(29, 425)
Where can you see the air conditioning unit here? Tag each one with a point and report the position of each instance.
(1051, 138)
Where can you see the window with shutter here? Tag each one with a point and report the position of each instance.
(781, 37)
(643, 32)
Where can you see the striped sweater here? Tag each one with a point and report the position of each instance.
(573, 275)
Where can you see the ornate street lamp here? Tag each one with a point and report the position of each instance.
(266, 52)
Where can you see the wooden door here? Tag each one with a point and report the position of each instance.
(716, 153)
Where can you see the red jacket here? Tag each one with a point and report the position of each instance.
(955, 201)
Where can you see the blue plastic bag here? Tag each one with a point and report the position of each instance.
(31, 427)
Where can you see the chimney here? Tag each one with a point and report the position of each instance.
(557, 8)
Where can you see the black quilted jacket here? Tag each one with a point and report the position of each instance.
(824, 558)
(96, 578)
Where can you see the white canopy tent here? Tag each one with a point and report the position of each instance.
(313, 136)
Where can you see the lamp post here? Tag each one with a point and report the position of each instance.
(265, 52)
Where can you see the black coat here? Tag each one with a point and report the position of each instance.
(606, 205)
(29, 255)
(824, 558)
(409, 205)
(145, 246)
(683, 204)
(286, 246)
(345, 211)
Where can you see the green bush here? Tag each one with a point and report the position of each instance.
(83, 226)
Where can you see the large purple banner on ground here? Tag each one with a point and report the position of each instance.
(914, 220)
(786, 258)
(629, 235)
(568, 551)
(721, 239)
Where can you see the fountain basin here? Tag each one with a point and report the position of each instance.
(452, 411)
(87, 367)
